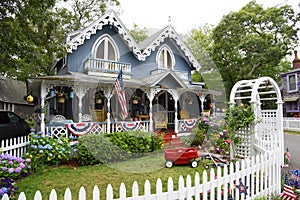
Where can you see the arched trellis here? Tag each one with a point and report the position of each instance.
(265, 97)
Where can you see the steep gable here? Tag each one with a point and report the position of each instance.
(140, 51)
(110, 18)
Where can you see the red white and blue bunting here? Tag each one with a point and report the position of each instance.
(131, 126)
(190, 123)
(79, 129)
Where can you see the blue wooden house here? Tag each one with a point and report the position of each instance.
(156, 75)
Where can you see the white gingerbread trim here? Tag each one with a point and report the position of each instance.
(169, 32)
(108, 18)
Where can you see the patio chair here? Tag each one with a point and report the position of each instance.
(184, 114)
(160, 120)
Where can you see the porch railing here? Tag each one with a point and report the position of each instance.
(58, 130)
(107, 66)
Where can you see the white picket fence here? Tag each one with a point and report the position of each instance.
(15, 147)
(291, 124)
(261, 174)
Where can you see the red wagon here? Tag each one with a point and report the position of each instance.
(181, 156)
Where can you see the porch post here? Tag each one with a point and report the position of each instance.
(150, 93)
(80, 92)
(43, 96)
(202, 98)
(108, 92)
(176, 115)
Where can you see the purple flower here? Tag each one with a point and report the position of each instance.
(18, 169)
(22, 165)
(11, 170)
(10, 162)
(28, 160)
(4, 168)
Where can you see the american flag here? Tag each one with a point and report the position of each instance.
(288, 155)
(121, 94)
(288, 192)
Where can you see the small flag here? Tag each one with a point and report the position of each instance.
(288, 192)
(295, 174)
(288, 155)
(121, 94)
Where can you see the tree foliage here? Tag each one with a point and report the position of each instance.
(139, 34)
(252, 42)
(28, 44)
(33, 30)
(76, 14)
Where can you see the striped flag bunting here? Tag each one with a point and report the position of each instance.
(190, 123)
(132, 126)
(288, 191)
(79, 129)
(119, 86)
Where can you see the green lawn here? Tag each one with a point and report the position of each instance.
(59, 178)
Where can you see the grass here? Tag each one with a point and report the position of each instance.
(59, 178)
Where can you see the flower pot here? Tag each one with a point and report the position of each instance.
(61, 100)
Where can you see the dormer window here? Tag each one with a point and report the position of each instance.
(165, 58)
(105, 49)
(292, 83)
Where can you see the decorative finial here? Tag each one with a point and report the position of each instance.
(169, 20)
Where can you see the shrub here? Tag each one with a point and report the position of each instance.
(46, 150)
(13, 168)
(94, 149)
(112, 147)
(7, 187)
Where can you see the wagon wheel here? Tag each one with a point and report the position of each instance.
(193, 163)
(169, 164)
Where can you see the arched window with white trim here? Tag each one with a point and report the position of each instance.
(165, 58)
(106, 49)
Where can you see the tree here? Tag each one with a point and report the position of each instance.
(77, 14)
(33, 32)
(253, 42)
(27, 45)
(200, 43)
(138, 34)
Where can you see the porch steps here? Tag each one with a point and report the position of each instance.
(171, 140)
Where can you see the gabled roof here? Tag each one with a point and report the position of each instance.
(156, 39)
(110, 18)
(157, 79)
(142, 50)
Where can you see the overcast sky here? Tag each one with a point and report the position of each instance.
(185, 15)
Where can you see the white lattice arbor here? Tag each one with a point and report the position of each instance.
(265, 97)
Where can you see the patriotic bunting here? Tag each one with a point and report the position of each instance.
(131, 126)
(79, 129)
(190, 123)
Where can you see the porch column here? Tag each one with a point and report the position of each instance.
(108, 92)
(43, 96)
(202, 98)
(150, 93)
(176, 115)
(80, 91)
